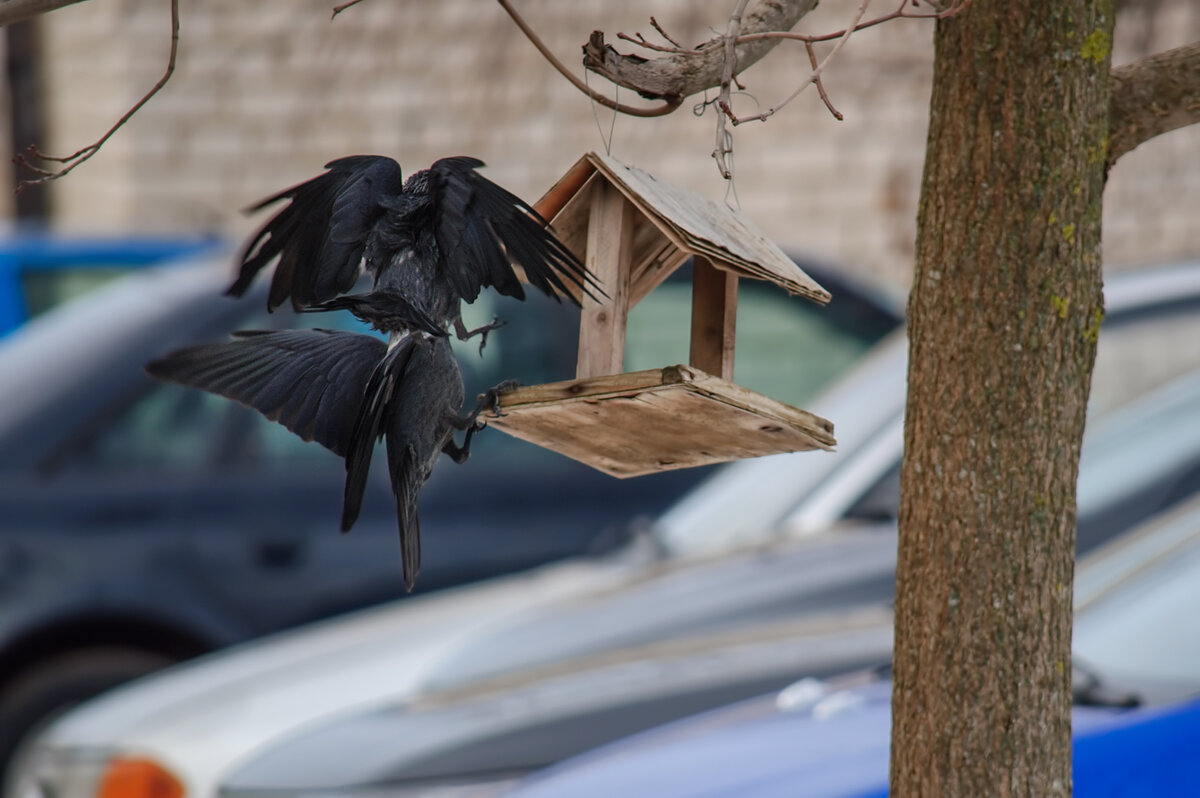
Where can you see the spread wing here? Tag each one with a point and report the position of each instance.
(481, 228)
(319, 236)
(311, 381)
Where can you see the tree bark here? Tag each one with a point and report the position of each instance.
(1003, 320)
(1152, 96)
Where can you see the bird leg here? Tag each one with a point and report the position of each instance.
(459, 454)
(471, 423)
(464, 334)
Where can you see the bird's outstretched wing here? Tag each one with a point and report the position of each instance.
(320, 235)
(311, 381)
(480, 228)
(368, 422)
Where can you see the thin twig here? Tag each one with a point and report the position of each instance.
(812, 59)
(79, 156)
(900, 13)
(674, 48)
(339, 9)
(642, 41)
(661, 110)
(721, 150)
(661, 32)
(815, 77)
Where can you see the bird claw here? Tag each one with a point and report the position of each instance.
(483, 331)
(491, 397)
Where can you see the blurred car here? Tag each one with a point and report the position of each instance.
(1135, 723)
(729, 553)
(512, 723)
(143, 523)
(38, 271)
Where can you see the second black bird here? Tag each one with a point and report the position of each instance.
(346, 391)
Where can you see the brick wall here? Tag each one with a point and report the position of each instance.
(266, 92)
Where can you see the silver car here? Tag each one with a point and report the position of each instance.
(783, 538)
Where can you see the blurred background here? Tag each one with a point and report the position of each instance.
(143, 524)
(263, 96)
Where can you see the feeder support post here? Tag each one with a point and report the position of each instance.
(714, 319)
(609, 255)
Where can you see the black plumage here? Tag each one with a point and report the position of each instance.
(346, 391)
(433, 241)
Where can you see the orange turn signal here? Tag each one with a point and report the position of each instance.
(138, 778)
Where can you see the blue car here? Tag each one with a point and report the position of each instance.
(1136, 721)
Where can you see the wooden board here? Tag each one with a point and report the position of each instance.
(602, 319)
(644, 422)
(691, 223)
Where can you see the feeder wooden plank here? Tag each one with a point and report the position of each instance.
(566, 188)
(714, 319)
(602, 320)
(657, 420)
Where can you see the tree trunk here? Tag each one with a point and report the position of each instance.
(1003, 320)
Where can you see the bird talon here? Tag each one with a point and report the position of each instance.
(492, 396)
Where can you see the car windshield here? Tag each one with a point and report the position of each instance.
(1161, 580)
(797, 493)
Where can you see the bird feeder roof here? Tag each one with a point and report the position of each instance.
(672, 225)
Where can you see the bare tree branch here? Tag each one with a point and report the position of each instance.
(576, 82)
(1152, 96)
(340, 8)
(16, 10)
(79, 156)
(902, 12)
(677, 76)
(815, 77)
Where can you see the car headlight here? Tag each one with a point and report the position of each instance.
(92, 773)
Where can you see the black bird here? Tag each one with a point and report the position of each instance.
(434, 240)
(346, 391)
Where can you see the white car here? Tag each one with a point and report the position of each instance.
(179, 734)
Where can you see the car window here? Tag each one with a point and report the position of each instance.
(1113, 635)
(787, 348)
(182, 429)
(1142, 352)
(1159, 433)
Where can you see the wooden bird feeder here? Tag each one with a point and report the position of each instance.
(633, 231)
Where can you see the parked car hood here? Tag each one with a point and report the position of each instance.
(831, 738)
(220, 708)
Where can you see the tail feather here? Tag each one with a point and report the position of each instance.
(406, 483)
(368, 426)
